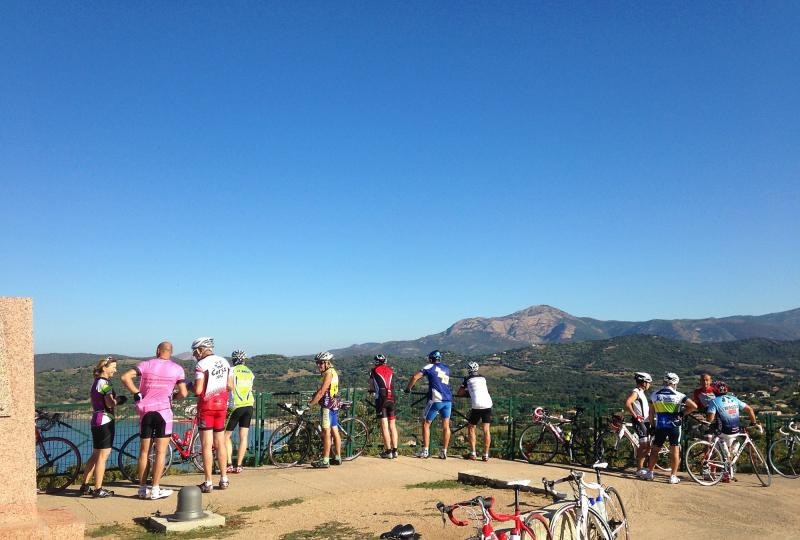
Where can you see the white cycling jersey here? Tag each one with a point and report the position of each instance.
(478, 391)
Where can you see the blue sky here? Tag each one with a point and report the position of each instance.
(295, 176)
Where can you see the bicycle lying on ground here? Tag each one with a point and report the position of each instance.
(784, 453)
(531, 526)
(300, 438)
(539, 443)
(618, 445)
(186, 449)
(58, 461)
(709, 461)
(588, 518)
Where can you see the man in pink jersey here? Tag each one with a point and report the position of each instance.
(157, 379)
(212, 381)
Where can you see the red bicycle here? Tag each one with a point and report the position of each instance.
(184, 449)
(531, 526)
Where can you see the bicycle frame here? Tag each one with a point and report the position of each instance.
(488, 514)
(584, 501)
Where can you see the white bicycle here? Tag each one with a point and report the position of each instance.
(601, 517)
(710, 461)
(784, 453)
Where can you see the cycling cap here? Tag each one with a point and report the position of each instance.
(435, 355)
(238, 357)
(641, 377)
(379, 359)
(720, 388)
(324, 356)
(671, 378)
(472, 367)
(203, 343)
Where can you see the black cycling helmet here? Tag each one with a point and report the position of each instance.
(379, 359)
(435, 355)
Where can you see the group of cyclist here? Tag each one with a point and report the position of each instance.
(658, 417)
(219, 388)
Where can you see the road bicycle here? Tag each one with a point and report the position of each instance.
(618, 445)
(784, 453)
(709, 461)
(539, 443)
(58, 461)
(602, 517)
(531, 526)
(186, 449)
(300, 439)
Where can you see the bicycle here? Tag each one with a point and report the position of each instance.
(522, 529)
(618, 446)
(588, 518)
(784, 453)
(187, 448)
(709, 461)
(539, 442)
(295, 440)
(58, 461)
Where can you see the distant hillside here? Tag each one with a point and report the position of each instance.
(48, 361)
(599, 370)
(545, 324)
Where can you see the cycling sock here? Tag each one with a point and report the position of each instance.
(339, 458)
(224, 478)
(326, 460)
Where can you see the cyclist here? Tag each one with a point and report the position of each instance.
(103, 401)
(638, 407)
(328, 398)
(475, 387)
(240, 403)
(211, 384)
(704, 393)
(724, 409)
(158, 377)
(381, 378)
(440, 401)
(667, 409)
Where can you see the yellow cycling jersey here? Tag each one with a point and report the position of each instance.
(242, 394)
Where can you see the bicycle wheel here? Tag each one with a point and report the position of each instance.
(704, 463)
(759, 465)
(538, 444)
(582, 448)
(564, 525)
(128, 459)
(663, 461)
(355, 437)
(616, 517)
(196, 455)
(288, 444)
(618, 453)
(58, 463)
(537, 523)
(784, 457)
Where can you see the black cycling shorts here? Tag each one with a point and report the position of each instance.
(103, 436)
(480, 415)
(385, 408)
(153, 426)
(662, 434)
(642, 429)
(240, 416)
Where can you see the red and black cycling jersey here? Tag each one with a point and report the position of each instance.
(381, 379)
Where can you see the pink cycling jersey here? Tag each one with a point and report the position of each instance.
(158, 379)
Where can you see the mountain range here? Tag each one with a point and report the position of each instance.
(542, 324)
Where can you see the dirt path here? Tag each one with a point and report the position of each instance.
(369, 496)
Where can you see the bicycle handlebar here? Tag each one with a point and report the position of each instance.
(485, 503)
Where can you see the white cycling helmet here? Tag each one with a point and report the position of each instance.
(472, 367)
(324, 356)
(642, 377)
(203, 343)
(671, 378)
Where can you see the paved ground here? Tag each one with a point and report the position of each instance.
(369, 495)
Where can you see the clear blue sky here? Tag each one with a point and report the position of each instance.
(294, 176)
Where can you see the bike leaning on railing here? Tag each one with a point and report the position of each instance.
(784, 452)
(618, 446)
(529, 526)
(709, 461)
(539, 443)
(58, 461)
(300, 438)
(588, 518)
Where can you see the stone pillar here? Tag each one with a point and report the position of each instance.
(19, 517)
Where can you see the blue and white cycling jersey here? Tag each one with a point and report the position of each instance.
(438, 382)
(727, 409)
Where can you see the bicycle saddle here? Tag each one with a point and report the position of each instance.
(518, 483)
(600, 465)
(401, 532)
